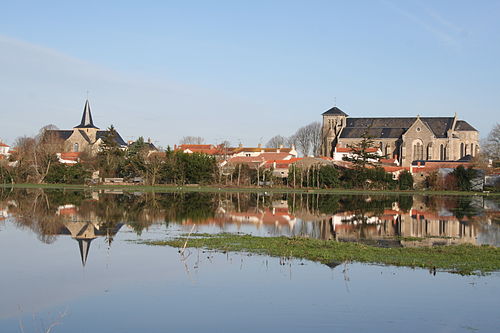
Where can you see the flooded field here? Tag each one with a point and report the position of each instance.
(71, 263)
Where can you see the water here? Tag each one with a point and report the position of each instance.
(69, 260)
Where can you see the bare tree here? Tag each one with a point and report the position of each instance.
(491, 145)
(276, 141)
(315, 129)
(308, 139)
(192, 140)
(36, 155)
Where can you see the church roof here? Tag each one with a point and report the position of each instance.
(65, 134)
(86, 117)
(395, 127)
(62, 134)
(119, 140)
(335, 111)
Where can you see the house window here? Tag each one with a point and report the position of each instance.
(75, 148)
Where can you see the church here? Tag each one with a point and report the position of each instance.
(85, 136)
(405, 139)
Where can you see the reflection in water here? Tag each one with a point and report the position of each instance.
(379, 220)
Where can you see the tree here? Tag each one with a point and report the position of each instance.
(491, 146)
(111, 157)
(36, 155)
(405, 180)
(307, 139)
(276, 141)
(329, 176)
(362, 153)
(191, 140)
(464, 177)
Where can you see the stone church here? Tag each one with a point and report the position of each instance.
(404, 139)
(85, 136)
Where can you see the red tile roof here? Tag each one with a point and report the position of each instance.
(71, 156)
(3, 145)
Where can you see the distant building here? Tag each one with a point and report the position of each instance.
(404, 139)
(85, 136)
(4, 150)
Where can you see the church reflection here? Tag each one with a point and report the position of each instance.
(84, 232)
(378, 220)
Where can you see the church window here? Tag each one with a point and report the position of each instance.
(441, 152)
(418, 151)
(472, 149)
(75, 148)
(461, 150)
(429, 152)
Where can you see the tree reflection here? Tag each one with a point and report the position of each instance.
(85, 215)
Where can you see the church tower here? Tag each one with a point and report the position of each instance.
(87, 124)
(334, 120)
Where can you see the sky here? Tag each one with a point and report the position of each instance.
(244, 71)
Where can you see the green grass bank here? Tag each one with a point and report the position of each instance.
(218, 189)
(461, 259)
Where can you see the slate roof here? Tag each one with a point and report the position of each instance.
(87, 121)
(335, 111)
(464, 126)
(118, 138)
(63, 134)
(395, 127)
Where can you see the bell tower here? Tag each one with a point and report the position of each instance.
(334, 120)
(87, 124)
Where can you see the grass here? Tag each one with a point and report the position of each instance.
(218, 189)
(461, 259)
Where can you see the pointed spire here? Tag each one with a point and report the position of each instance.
(86, 117)
(84, 245)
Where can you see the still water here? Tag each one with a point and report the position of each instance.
(69, 263)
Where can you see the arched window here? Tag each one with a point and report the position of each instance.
(75, 147)
(429, 152)
(472, 149)
(441, 152)
(418, 151)
(461, 150)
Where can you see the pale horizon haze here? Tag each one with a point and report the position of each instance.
(244, 71)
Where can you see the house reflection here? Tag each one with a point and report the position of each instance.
(431, 227)
(391, 220)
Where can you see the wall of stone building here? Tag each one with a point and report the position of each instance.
(332, 126)
(419, 134)
(470, 141)
(389, 146)
(77, 138)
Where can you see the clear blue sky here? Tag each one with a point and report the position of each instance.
(244, 70)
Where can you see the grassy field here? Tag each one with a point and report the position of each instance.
(212, 188)
(461, 259)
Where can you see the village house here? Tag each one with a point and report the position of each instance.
(404, 139)
(83, 137)
(4, 150)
